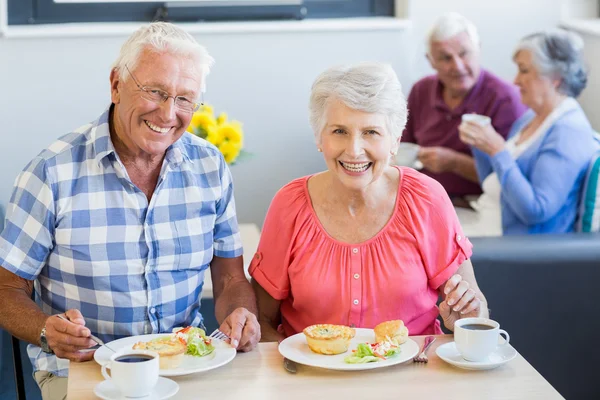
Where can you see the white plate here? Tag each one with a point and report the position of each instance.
(449, 353)
(223, 354)
(296, 349)
(164, 389)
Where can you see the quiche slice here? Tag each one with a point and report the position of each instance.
(328, 339)
(170, 351)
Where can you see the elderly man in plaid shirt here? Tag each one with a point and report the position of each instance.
(116, 223)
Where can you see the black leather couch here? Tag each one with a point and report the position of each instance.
(542, 290)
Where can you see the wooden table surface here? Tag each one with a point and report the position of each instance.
(260, 375)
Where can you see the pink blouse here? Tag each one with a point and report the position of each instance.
(394, 275)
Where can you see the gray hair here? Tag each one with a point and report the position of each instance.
(558, 54)
(162, 37)
(450, 25)
(368, 87)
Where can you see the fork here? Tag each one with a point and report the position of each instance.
(217, 334)
(94, 338)
(422, 357)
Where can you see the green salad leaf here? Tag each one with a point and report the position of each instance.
(364, 354)
(196, 343)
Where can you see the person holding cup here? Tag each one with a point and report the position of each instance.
(362, 242)
(437, 102)
(532, 181)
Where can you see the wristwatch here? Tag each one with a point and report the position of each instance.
(44, 342)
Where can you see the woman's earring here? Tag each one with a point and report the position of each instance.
(320, 150)
(393, 152)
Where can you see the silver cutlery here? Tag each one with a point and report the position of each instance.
(94, 338)
(289, 365)
(217, 334)
(422, 357)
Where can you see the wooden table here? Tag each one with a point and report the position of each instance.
(260, 375)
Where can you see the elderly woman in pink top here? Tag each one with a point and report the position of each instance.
(362, 242)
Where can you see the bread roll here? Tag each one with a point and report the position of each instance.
(394, 331)
(329, 339)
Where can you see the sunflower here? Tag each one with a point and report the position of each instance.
(230, 151)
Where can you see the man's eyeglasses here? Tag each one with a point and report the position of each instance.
(160, 96)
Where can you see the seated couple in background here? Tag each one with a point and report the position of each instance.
(531, 182)
(363, 242)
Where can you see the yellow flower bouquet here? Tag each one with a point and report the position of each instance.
(226, 135)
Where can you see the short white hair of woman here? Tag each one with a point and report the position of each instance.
(162, 37)
(368, 87)
(558, 54)
(449, 25)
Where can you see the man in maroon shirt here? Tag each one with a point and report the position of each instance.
(436, 104)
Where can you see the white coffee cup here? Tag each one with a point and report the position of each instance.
(407, 154)
(477, 338)
(481, 120)
(133, 372)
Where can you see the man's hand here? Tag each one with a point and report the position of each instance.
(437, 159)
(66, 338)
(243, 329)
(460, 302)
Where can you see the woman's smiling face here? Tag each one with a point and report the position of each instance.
(357, 145)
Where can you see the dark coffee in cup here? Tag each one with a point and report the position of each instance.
(477, 327)
(134, 358)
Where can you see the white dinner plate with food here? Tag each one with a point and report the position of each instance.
(449, 353)
(222, 354)
(296, 348)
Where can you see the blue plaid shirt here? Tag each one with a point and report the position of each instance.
(78, 226)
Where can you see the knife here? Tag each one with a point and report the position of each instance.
(288, 364)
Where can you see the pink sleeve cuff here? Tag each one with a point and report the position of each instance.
(465, 250)
(263, 280)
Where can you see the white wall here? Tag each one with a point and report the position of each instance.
(590, 97)
(52, 85)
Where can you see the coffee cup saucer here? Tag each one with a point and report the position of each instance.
(164, 389)
(449, 353)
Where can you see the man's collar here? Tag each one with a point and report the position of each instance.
(100, 136)
(438, 95)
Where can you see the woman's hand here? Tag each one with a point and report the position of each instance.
(460, 301)
(485, 138)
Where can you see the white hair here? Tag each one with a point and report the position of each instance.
(558, 53)
(162, 37)
(449, 25)
(368, 87)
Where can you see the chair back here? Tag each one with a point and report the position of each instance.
(588, 219)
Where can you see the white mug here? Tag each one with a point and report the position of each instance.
(481, 120)
(477, 338)
(407, 155)
(133, 372)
